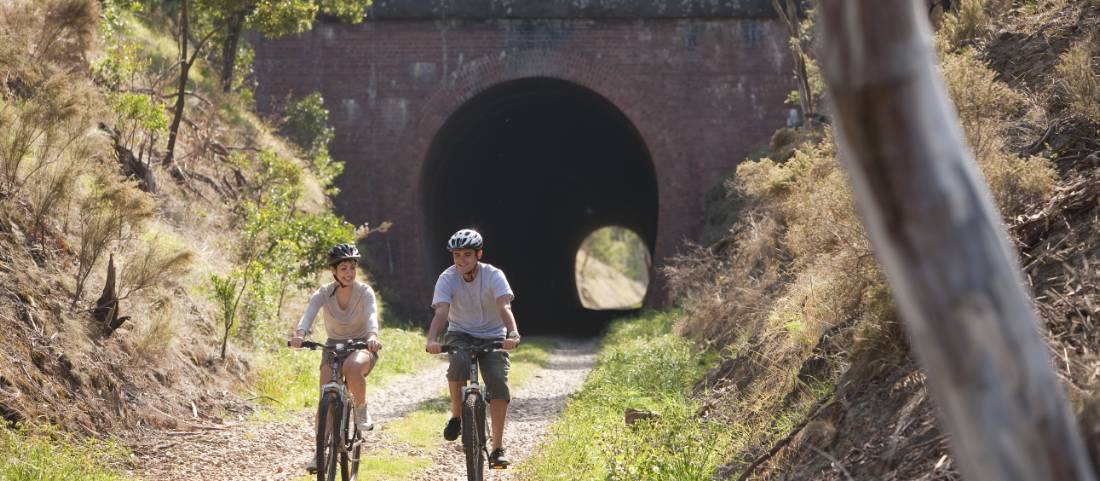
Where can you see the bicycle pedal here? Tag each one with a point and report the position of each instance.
(498, 466)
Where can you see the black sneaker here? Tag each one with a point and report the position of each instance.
(498, 460)
(454, 425)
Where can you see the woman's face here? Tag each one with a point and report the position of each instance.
(345, 272)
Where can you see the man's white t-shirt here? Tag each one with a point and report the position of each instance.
(473, 304)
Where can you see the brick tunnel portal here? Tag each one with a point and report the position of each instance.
(536, 165)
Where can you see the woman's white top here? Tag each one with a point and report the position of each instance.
(356, 322)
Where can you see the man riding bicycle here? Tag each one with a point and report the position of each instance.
(475, 301)
(349, 312)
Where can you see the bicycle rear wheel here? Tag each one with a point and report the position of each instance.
(355, 447)
(328, 413)
(473, 436)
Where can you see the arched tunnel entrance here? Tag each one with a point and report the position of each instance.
(537, 165)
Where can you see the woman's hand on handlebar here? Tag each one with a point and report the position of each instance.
(373, 344)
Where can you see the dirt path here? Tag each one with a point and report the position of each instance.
(277, 450)
(274, 450)
(535, 406)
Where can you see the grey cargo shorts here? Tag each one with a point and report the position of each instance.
(493, 366)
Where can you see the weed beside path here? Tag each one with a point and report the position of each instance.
(642, 365)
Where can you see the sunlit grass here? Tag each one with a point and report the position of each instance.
(49, 454)
(643, 365)
(287, 379)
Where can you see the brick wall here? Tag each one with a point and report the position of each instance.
(703, 93)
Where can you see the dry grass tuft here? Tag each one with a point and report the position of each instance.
(988, 110)
(158, 330)
(1077, 80)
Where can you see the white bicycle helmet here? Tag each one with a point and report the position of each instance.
(465, 239)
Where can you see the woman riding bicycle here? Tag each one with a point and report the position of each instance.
(348, 308)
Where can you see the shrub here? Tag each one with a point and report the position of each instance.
(968, 23)
(157, 333)
(113, 211)
(1077, 80)
(160, 257)
(44, 129)
(306, 122)
(988, 109)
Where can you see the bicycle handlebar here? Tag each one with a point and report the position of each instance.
(493, 346)
(343, 346)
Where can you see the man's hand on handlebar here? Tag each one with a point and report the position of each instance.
(508, 343)
(434, 347)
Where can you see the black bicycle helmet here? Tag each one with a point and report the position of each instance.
(465, 239)
(342, 252)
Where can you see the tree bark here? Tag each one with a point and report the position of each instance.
(934, 228)
(185, 67)
(229, 48)
(106, 307)
(788, 13)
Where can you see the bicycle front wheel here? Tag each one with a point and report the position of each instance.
(327, 422)
(473, 436)
(336, 409)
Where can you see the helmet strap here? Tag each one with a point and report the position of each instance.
(338, 283)
(473, 272)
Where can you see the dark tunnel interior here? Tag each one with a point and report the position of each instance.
(536, 165)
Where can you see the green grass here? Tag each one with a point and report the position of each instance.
(531, 355)
(49, 454)
(420, 429)
(390, 466)
(642, 365)
(287, 379)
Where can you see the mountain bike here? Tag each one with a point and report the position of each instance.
(339, 441)
(473, 414)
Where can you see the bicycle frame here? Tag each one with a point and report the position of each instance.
(348, 439)
(479, 438)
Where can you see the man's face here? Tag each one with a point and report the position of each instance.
(345, 272)
(465, 259)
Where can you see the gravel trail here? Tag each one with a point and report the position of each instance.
(278, 450)
(273, 450)
(535, 406)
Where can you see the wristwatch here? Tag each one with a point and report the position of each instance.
(514, 335)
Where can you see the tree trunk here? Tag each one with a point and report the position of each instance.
(185, 67)
(229, 48)
(788, 13)
(106, 307)
(934, 228)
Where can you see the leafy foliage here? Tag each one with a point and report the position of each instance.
(306, 124)
(281, 246)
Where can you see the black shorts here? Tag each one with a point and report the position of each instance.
(493, 366)
(326, 358)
